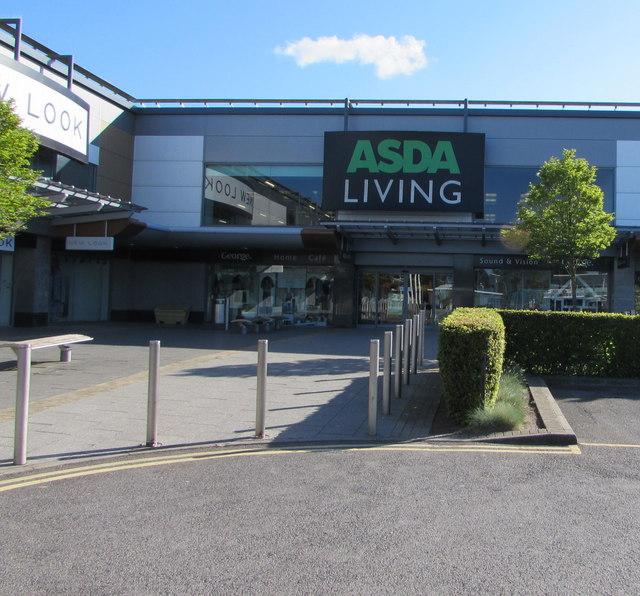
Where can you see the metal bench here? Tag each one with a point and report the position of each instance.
(63, 342)
(22, 350)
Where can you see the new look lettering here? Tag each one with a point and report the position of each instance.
(48, 108)
(55, 116)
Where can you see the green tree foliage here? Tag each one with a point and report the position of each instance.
(17, 145)
(562, 219)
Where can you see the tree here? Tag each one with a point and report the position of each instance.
(562, 219)
(17, 145)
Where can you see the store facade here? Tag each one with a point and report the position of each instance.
(334, 213)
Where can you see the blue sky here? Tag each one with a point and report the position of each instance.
(554, 50)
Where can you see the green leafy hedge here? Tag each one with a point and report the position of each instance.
(470, 352)
(573, 343)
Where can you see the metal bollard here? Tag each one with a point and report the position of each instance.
(152, 394)
(407, 350)
(423, 326)
(261, 394)
(415, 343)
(65, 353)
(374, 356)
(23, 382)
(397, 364)
(386, 378)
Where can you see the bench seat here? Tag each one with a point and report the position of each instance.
(54, 341)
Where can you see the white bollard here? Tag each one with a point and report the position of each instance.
(374, 356)
(261, 396)
(23, 382)
(415, 343)
(386, 379)
(423, 326)
(407, 350)
(152, 393)
(65, 353)
(397, 364)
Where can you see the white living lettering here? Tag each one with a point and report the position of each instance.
(449, 192)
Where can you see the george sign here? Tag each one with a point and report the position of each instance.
(89, 243)
(404, 171)
(57, 116)
(7, 244)
(273, 258)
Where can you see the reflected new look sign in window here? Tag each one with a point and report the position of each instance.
(404, 171)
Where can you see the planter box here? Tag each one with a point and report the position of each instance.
(177, 314)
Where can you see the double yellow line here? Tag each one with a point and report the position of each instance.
(147, 462)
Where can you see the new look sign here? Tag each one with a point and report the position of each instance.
(403, 171)
(57, 116)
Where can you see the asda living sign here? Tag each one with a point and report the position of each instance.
(403, 171)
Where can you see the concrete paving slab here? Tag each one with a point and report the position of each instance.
(317, 390)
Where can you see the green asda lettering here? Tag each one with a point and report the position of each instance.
(410, 156)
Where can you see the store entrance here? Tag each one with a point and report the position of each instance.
(389, 298)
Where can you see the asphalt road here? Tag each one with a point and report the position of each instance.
(600, 410)
(423, 518)
(439, 519)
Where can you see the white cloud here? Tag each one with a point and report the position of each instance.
(390, 56)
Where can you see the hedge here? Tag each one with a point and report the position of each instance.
(470, 352)
(573, 343)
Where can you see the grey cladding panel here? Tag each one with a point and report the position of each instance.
(272, 124)
(285, 150)
(411, 122)
(567, 128)
(167, 124)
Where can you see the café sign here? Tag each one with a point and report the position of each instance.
(404, 171)
(57, 116)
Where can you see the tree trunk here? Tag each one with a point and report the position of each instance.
(573, 276)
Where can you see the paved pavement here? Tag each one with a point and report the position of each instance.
(96, 404)
(317, 391)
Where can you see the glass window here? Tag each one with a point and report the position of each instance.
(295, 295)
(533, 289)
(505, 187)
(64, 169)
(263, 195)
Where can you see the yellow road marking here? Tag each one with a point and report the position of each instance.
(477, 448)
(623, 445)
(94, 469)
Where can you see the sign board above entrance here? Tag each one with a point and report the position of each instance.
(404, 171)
(57, 116)
(7, 244)
(89, 243)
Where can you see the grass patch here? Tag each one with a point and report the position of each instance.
(510, 409)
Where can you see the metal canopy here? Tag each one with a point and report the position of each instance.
(395, 232)
(69, 201)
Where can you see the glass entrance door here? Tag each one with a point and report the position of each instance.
(381, 298)
(388, 298)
